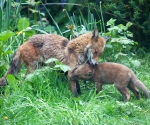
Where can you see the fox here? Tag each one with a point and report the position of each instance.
(35, 52)
(86, 48)
(108, 73)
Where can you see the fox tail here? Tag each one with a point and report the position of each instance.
(141, 86)
(14, 68)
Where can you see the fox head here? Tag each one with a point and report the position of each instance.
(83, 72)
(95, 47)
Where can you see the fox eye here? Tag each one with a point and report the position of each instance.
(89, 74)
(96, 52)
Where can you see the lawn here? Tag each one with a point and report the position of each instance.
(45, 99)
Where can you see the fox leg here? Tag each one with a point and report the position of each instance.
(30, 67)
(74, 86)
(133, 88)
(124, 92)
(78, 87)
(99, 87)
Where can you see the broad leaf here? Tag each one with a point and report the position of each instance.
(11, 79)
(23, 24)
(111, 22)
(4, 36)
(65, 68)
(136, 63)
(51, 60)
(108, 45)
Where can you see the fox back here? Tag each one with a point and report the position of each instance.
(35, 51)
(103, 72)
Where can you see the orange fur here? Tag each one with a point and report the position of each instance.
(86, 48)
(119, 74)
(36, 50)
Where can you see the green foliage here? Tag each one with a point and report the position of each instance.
(58, 65)
(135, 11)
(119, 47)
(55, 66)
(79, 25)
(46, 99)
(23, 23)
(4, 36)
(44, 96)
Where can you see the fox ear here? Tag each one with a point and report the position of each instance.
(95, 34)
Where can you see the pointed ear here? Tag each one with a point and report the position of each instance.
(95, 34)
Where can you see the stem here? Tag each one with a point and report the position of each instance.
(102, 17)
(52, 18)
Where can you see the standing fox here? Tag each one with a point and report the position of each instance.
(86, 48)
(35, 51)
(120, 75)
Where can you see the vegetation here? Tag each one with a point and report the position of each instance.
(44, 96)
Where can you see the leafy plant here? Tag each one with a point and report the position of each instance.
(55, 66)
(119, 47)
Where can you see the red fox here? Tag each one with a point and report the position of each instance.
(86, 48)
(119, 74)
(35, 51)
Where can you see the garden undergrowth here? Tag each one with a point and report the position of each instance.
(46, 99)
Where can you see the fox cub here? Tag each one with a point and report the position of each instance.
(35, 51)
(120, 75)
(86, 48)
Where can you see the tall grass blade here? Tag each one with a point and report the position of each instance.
(1, 19)
(2, 3)
(83, 21)
(52, 18)
(89, 27)
(8, 10)
(102, 18)
(17, 14)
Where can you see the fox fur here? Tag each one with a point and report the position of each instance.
(35, 51)
(119, 74)
(86, 48)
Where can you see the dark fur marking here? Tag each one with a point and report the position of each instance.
(14, 66)
(37, 44)
(65, 42)
(70, 50)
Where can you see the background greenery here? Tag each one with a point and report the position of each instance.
(44, 96)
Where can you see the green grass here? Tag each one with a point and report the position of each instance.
(45, 99)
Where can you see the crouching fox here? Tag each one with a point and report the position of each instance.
(86, 48)
(35, 51)
(120, 75)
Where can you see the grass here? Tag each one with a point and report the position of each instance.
(46, 99)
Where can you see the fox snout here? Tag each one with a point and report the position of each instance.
(93, 62)
(91, 59)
